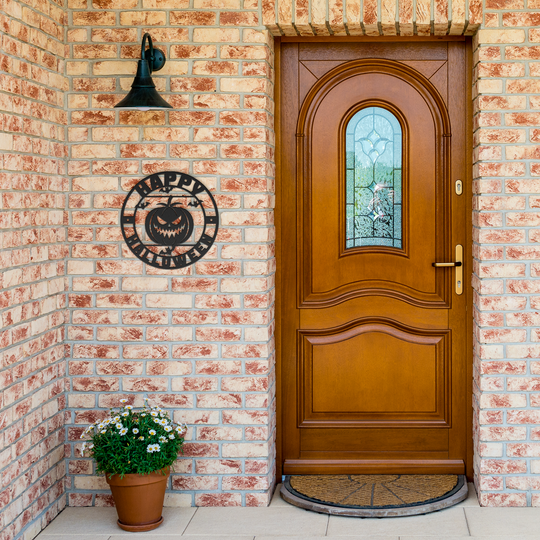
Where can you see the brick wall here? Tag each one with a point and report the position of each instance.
(32, 260)
(507, 254)
(198, 341)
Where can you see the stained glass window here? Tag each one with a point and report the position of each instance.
(374, 188)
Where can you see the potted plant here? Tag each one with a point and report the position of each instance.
(136, 450)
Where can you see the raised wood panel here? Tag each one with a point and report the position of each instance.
(374, 372)
(340, 274)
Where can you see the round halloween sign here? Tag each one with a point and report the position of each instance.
(169, 220)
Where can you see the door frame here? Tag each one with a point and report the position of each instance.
(467, 192)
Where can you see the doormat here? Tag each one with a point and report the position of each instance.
(375, 495)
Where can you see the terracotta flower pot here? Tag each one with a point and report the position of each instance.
(139, 499)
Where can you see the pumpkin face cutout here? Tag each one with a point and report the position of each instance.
(169, 224)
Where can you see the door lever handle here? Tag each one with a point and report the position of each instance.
(459, 268)
(438, 265)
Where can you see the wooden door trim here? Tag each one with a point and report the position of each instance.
(281, 256)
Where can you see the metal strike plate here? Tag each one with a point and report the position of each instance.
(459, 269)
(459, 187)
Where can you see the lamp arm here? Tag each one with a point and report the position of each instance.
(143, 50)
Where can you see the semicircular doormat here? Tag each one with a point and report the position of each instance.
(375, 495)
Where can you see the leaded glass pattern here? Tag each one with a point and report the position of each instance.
(374, 185)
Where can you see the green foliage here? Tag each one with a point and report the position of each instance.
(134, 441)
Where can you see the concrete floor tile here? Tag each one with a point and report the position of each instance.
(434, 538)
(155, 535)
(277, 500)
(102, 521)
(493, 537)
(278, 521)
(449, 522)
(497, 522)
(46, 536)
(472, 498)
(326, 538)
(84, 522)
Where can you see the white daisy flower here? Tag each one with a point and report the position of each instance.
(125, 413)
(116, 418)
(150, 448)
(123, 401)
(83, 448)
(171, 436)
(162, 439)
(123, 431)
(135, 430)
(143, 415)
(103, 431)
(129, 407)
(141, 438)
(154, 413)
(152, 432)
(168, 428)
(119, 425)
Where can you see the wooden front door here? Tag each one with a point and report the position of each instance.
(374, 338)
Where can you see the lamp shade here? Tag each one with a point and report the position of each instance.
(143, 94)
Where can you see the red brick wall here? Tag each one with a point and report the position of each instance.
(506, 251)
(33, 187)
(198, 341)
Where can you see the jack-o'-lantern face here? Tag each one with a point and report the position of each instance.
(169, 224)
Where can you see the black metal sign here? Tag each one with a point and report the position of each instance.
(169, 220)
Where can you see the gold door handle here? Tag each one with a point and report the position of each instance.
(458, 264)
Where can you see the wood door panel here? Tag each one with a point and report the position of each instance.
(394, 308)
(342, 274)
(392, 375)
(373, 354)
(364, 442)
(373, 466)
(353, 51)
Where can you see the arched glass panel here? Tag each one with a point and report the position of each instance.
(373, 146)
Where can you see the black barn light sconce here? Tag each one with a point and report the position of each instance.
(143, 94)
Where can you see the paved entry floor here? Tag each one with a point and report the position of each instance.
(286, 522)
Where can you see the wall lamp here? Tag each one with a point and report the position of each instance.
(143, 95)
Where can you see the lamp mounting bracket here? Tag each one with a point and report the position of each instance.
(157, 62)
(154, 57)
